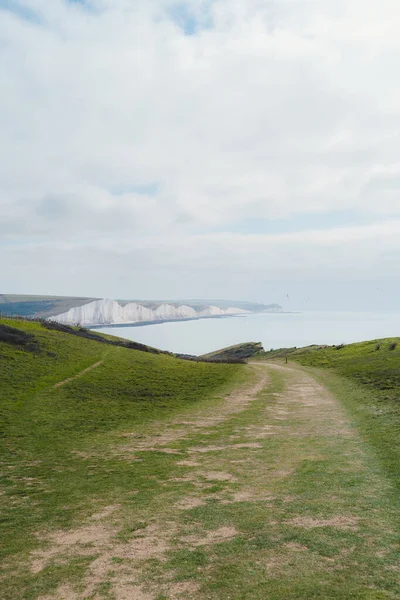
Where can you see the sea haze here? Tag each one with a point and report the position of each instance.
(274, 330)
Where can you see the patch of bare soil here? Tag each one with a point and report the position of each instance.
(64, 592)
(182, 589)
(105, 512)
(338, 522)
(249, 445)
(239, 497)
(99, 539)
(84, 541)
(295, 547)
(190, 502)
(130, 591)
(178, 430)
(259, 432)
(212, 537)
(152, 543)
(121, 591)
(162, 450)
(205, 449)
(80, 454)
(218, 476)
(283, 472)
(188, 463)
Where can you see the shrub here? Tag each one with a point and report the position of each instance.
(393, 345)
(16, 337)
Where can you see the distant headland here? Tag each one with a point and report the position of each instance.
(104, 311)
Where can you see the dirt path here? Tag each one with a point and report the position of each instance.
(160, 437)
(270, 494)
(97, 364)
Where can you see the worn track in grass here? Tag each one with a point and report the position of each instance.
(270, 493)
(94, 366)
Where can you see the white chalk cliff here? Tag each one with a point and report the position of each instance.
(110, 312)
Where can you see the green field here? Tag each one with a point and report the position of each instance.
(45, 429)
(130, 475)
(368, 384)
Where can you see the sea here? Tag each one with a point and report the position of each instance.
(274, 330)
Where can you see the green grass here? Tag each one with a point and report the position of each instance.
(238, 351)
(47, 481)
(333, 476)
(373, 363)
(110, 438)
(367, 382)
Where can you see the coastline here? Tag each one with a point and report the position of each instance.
(160, 321)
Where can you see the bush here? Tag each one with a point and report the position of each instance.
(16, 337)
(393, 345)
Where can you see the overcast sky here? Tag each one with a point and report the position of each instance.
(245, 149)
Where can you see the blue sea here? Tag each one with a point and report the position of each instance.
(274, 330)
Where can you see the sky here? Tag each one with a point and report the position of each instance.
(243, 149)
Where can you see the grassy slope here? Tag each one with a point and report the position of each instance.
(238, 351)
(43, 429)
(366, 378)
(64, 460)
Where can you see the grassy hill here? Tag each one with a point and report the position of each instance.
(132, 474)
(237, 352)
(63, 397)
(366, 377)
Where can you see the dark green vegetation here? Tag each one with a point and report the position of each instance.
(44, 428)
(369, 386)
(237, 352)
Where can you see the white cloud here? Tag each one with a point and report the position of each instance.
(270, 109)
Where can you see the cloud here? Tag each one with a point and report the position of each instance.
(136, 131)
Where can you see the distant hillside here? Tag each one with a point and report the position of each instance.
(97, 311)
(236, 352)
(40, 307)
(223, 304)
